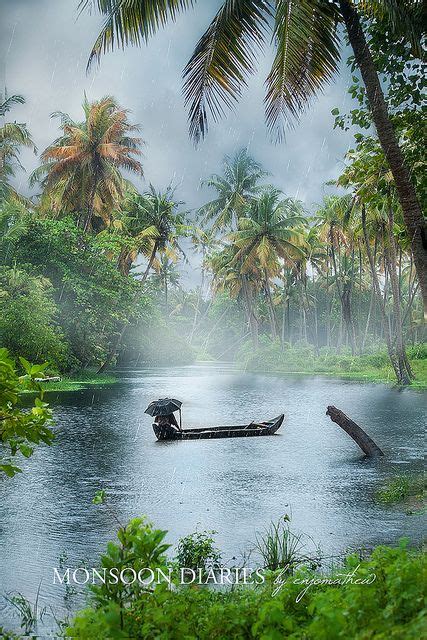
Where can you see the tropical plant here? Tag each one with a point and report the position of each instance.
(21, 429)
(270, 230)
(235, 189)
(29, 320)
(81, 170)
(13, 136)
(197, 551)
(306, 36)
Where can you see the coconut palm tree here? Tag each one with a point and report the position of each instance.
(152, 217)
(336, 231)
(166, 276)
(229, 277)
(307, 37)
(271, 230)
(237, 187)
(81, 170)
(13, 136)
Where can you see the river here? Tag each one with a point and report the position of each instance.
(311, 470)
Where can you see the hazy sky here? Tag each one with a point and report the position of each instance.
(44, 47)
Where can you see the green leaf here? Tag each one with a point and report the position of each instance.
(99, 497)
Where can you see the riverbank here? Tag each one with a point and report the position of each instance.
(303, 362)
(82, 380)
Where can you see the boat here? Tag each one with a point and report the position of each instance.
(266, 428)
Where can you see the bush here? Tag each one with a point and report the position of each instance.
(418, 351)
(28, 323)
(198, 551)
(20, 429)
(304, 606)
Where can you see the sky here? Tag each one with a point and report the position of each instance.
(44, 46)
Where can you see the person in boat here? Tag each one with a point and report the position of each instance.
(167, 421)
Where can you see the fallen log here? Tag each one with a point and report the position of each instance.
(361, 438)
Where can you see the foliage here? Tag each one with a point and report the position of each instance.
(81, 170)
(198, 551)
(13, 136)
(140, 548)
(400, 488)
(279, 547)
(91, 295)
(29, 320)
(306, 605)
(21, 429)
(301, 358)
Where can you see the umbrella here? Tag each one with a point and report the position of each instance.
(164, 407)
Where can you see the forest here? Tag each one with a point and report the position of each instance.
(95, 296)
(91, 267)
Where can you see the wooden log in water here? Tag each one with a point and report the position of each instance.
(361, 438)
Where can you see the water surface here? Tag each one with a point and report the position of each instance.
(311, 470)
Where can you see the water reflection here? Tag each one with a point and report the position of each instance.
(235, 486)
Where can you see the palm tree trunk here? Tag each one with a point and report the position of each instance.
(381, 301)
(406, 371)
(271, 309)
(88, 221)
(411, 208)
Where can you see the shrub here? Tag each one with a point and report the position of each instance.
(307, 606)
(198, 551)
(20, 429)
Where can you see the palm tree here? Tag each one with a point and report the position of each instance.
(81, 170)
(336, 230)
(152, 217)
(158, 212)
(306, 36)
(166, 275)
(237, 187)
(204, 242)
(228, 277)
(13, 136)
(272, 229)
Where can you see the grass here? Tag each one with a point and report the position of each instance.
(81, 380)
(367, 368)
(402, 489)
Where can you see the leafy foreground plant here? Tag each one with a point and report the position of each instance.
(20, 429)
(389, 603)
(279, 547)
(198, 551)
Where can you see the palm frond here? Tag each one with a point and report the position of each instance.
(130, 22)
(222, 60)
(307, 57)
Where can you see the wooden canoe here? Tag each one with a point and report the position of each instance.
(267, 428)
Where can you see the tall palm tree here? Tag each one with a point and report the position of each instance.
(13, 136)
(157, 227)
(336, 231)
(237, 187)
(204, 242)
(228, 277)
(158, 211)
(271, 230)
(307, 38)
(81, 170)
(166, 276)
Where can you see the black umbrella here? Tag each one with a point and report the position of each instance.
(164, 407)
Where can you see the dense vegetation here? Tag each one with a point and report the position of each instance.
(89, 267)
(384, 594)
